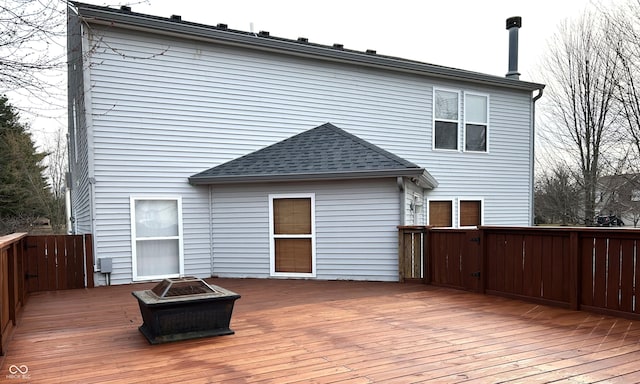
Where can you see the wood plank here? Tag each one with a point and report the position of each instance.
(304, 331)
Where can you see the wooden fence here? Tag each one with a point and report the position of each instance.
(38, 263)
(579, 268)
(12, 293)
(56, 262)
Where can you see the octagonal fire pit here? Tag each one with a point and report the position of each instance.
(185, 308)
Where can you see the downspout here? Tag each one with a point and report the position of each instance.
(211, 253)
(401, 197)
(88, 122)
(533, 155)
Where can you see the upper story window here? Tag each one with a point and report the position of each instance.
(446, 118)
(476, 122)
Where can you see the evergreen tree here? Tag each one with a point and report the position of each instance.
(24, 193)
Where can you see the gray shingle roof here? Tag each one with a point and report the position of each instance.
(322, 153)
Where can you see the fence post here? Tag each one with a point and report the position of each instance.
(401, 254)
(87, 241)
(575, 277)
(482, 260)
(426, 255)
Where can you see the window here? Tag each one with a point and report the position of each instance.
(476, 122)
(440, 213)
(292, 227)
(445, 107)
(635, 195)
(156, 234)
(470, 214)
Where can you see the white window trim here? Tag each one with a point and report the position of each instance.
(433, 120)
(453, 210)
(273, 236)
(465, 121)
(180, 237)
(469, 198)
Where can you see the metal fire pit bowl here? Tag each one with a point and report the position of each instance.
(185, 308)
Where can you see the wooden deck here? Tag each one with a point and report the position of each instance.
(324, 332)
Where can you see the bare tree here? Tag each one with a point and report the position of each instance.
(29, 30)
(555, 192)
(624, 33)
(581, 73)
(56, 163)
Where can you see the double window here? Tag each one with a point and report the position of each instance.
(447, 118)
(469, 213)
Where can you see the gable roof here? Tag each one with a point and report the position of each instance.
(322, 153)
(221, 34)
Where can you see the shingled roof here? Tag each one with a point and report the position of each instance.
(322, 153)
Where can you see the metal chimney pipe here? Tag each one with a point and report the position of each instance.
(513, 25)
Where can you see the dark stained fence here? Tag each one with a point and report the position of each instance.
(594, 269)
(528, 263)
(610, 271)
(57, 262)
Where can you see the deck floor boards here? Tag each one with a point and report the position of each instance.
(297, 331)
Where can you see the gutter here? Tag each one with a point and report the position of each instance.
(533, 154)
(263, 41)
(418, 175)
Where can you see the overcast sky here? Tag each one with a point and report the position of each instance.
(466, 34)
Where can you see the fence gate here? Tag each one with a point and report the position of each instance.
(455, 258)
(58, 262)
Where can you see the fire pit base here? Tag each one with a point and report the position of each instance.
(173, 314)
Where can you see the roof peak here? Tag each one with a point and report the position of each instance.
(325, 152)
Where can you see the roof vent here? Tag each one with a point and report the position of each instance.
(263, 33)
(303, 39)
(222, 26)
(176, 17)
(371, 51)
(125, 8)
(513, 25)
(338, 46)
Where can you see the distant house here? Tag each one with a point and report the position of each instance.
(206, 151)
(619, 195)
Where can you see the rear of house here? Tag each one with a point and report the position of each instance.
(156, 101)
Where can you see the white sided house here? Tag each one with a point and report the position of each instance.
(205, 151)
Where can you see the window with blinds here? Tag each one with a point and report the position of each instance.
(470, 213)
(440, 213)
(292, 237)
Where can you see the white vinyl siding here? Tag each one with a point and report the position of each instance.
(355, 229)
(164, 108)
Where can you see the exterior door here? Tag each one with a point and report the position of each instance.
(292, 235)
